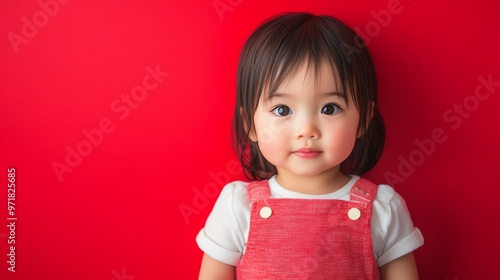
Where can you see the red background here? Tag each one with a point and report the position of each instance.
(117, 214)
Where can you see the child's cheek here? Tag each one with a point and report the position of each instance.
(340, 144)
(273, 146)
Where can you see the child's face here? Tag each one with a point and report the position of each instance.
(306, 129)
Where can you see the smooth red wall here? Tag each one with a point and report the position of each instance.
(116, 118)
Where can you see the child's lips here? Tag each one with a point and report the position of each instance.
(307, 153)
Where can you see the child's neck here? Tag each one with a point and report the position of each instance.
(324, 183)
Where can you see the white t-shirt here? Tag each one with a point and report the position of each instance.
(226, 230)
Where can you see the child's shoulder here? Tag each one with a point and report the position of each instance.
(233, 201)
(235, 187)
(235, 192)
(387, 195)
(385, 192)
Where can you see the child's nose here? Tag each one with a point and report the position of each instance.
(307, 128)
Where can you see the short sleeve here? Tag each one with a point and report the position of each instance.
(222, 238)
(393, 227)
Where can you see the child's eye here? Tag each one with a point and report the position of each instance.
(331, 109)
(282, 110)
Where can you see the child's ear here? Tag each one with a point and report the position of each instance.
(251, 133)
(362, 130)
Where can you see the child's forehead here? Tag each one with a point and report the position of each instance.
(321, 77)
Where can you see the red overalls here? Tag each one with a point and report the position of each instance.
(309, 238)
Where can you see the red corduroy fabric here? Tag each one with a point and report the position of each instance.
(309, 238)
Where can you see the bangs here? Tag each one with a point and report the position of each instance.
(286, 72)
(311, 40)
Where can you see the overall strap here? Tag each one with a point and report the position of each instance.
(363, 191)
(258, 190)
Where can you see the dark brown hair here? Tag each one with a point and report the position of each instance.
(274, 51)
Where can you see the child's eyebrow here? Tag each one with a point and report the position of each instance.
(285, 95)
(291, 96)
(281, 95)
(332, 93)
